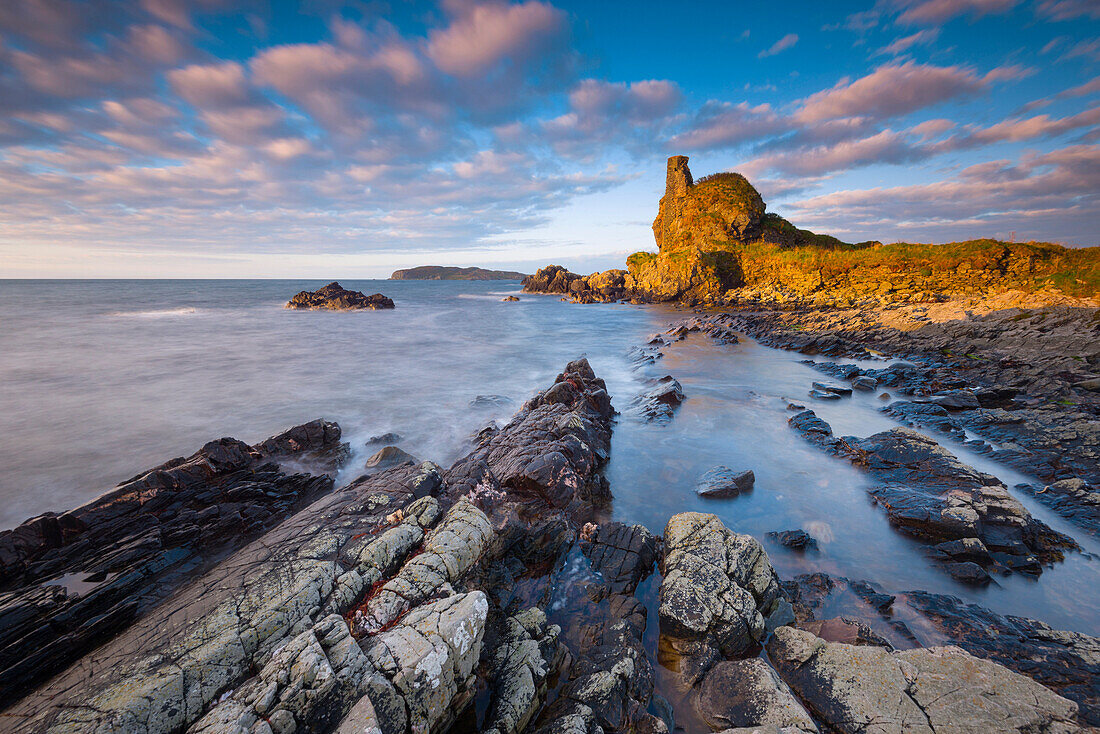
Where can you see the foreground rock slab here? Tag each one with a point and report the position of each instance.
(860, 689)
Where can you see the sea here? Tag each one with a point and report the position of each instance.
(102, 379)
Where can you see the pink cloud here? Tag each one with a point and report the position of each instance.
(903, 44)
(485, 34)
(938, 11)
(1040, 126)
(1068, 9)
(1047, 196)
(779, 46)
(890, 90)
(211, 85)
(721, 125)
(887, 146)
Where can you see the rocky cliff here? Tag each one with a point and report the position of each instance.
(717, 243)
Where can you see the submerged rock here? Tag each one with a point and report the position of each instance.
(748, 693)
(798, 540)
(334, 297)
(659, 402)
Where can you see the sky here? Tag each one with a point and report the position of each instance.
(316, 139)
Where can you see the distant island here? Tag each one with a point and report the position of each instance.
(440, 272)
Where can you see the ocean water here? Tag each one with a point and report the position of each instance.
(102, 379)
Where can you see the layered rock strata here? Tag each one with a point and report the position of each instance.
(69, 581)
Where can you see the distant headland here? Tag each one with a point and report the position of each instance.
(441, 272)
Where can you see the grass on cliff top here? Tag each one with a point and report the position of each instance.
(1075, 271)
(726, 189)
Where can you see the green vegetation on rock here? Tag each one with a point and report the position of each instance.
(442, 272)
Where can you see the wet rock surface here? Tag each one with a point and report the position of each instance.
(658, 403)
(930, 494)
(721, 482)
(334, 297)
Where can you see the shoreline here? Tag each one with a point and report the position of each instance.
(554, 501)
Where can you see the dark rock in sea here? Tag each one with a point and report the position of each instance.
(723, 482)
(865, 383)
(798, 540)
(385, 439)
(551, 279)
(507, 299)
(336, 298)
(834, 389)
(70, 581)
(929, 493)
(1073, 498)
(822, 395)
(658, 402)
(389, 456)
(968, 572)
(623, 554)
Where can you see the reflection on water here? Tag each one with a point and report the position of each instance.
(104, 378)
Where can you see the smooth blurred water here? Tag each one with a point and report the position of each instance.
(101, 379)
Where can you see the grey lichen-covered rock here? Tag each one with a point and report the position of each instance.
(748, 693)
(448, 552)
(520, 658)
(718, 587)
(430, 657)
(312, 680)
(862, 689)
(165, 672)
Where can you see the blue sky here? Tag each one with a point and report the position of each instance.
(243, 138)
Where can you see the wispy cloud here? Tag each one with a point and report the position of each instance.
(779, 46)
